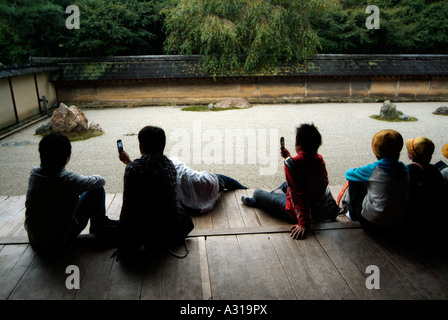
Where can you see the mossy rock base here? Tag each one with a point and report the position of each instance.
(206, 108)
(396, 119)
(79, 136)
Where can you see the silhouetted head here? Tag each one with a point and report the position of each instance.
(55, 150)
(308, 138)
(152, 140)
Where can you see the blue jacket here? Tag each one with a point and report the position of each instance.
(387, 182)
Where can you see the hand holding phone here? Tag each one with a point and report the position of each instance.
(120, 146)
(282, 147)
(122, 155)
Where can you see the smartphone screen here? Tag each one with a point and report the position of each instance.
(120, 146)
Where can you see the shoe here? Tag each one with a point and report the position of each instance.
(248, 201)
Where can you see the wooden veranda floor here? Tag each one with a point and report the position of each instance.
(236, 253)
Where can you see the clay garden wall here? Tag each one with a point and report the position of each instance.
(19, 97)
(256, 90)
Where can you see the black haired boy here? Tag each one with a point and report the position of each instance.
(59, 203)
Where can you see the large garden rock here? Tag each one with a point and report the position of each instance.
(233, 103)
(441, 110)
(388, 110)
(69, 119)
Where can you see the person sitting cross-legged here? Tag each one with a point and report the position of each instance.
(59, 204)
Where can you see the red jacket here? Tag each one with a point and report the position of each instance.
(312, 187)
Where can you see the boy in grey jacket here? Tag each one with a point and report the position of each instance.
(58, 203)
(379, 191)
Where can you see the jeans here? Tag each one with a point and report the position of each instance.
(273, 202)
(229, 183)
(91, 205)
(357, 192)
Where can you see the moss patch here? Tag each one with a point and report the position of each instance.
(396, 119)
(205, 109)
(79, 136)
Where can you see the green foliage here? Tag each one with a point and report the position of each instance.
(29, 28)
(239, 36)
(234, 36)
(417, 26)
(117, 27)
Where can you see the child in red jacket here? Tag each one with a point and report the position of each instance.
(294, 199)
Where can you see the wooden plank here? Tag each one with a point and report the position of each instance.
(2, 199)
(228, 273)
(246, 267)
(167, 277)
(424, 266)
(14, 240)
(205, 272)
(113, 210)
(153, 287)
(14, 261)
(352, 251)
(125, 281)
(266, 275)
(219, 215)
(272, 229)
(95, 282)
(45, 278)
(232, 210)
(343, 218)
(12, 217)
(20, 233)
(248, 214)
(14, 224)
(309, 270)
(204, 221)
(7, 203)
(23, 238)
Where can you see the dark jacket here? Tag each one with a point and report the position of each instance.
(150, 208)
(51, 202)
